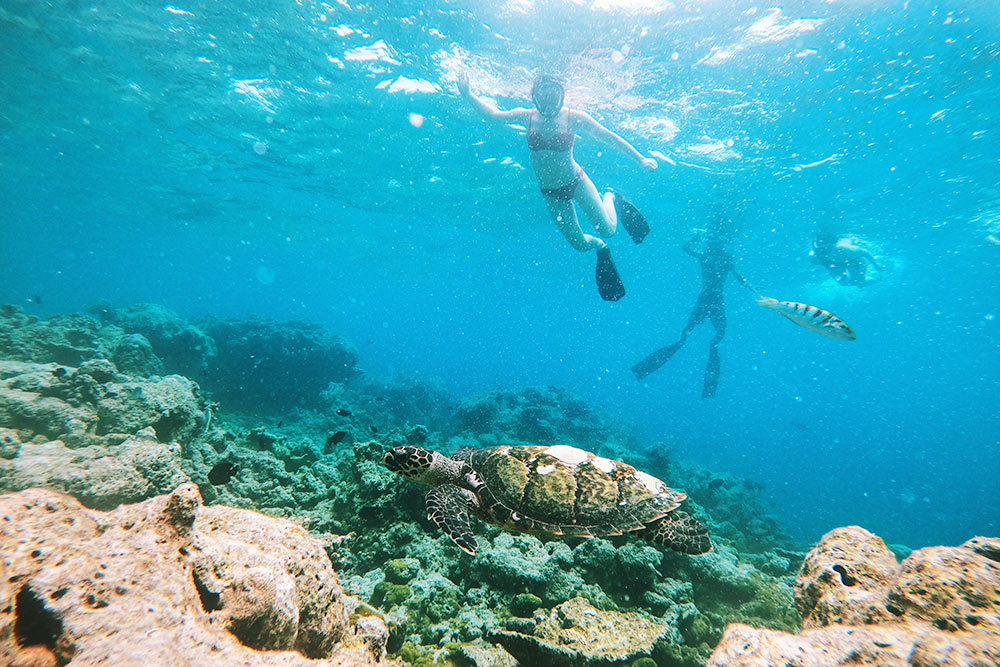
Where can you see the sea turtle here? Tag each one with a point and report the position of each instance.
(558, 490)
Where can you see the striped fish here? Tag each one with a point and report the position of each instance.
(815, 319)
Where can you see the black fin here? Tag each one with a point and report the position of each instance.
(631, 219)
(609, 283)
(448, 507)
(654, 360)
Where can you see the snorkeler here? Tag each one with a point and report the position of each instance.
(716, 265)
(551, 131)
(847, 261)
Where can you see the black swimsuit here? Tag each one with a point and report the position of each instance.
(565, 192)
(559, 142)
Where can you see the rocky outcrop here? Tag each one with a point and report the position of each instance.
(166, 582)
(104, 437)
(72, 340)
(939, 607)
(575, 634)
(264, 365)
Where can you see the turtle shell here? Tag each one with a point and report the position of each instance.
(562, 490)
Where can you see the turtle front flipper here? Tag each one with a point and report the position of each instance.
(447, 507)
(679, 531)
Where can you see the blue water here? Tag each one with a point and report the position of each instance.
(227, 159)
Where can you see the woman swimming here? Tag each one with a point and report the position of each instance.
(552, 129)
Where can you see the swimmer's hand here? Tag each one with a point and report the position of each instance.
(648, 163)
(463, 83)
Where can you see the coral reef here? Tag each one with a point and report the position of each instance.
(183, 347)
(535, 416)
(304, 431)
(939, 607)
(71, 340)
(575, 634)
(250, 364)
(104, 437)
(166, 581)
(265, 365)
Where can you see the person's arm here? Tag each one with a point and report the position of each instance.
(487, 110)
(601, 133)
(743, 281)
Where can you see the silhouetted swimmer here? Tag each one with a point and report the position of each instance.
(716, 265)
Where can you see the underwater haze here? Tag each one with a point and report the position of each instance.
(301, 160)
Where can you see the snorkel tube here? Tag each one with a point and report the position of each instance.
(547, 93)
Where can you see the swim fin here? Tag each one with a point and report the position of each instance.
(609, 283)
(631, 219)
(656, 359)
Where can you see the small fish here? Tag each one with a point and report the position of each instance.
(222, 472)
(716, 483)
(36, 299)
(815, 319)
(281, 422)
(335, 438)
(343, 412)
(372, 427)
(379, 399)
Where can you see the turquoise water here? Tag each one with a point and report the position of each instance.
(314, 161)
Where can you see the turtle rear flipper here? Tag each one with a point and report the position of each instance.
(447, 507)
(679, 531)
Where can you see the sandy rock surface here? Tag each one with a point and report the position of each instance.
(166, 582)
(940, 607)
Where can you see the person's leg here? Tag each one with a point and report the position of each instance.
(609, 283)
(714, 366)
(654, 360)
(564, 215)
(600, 211)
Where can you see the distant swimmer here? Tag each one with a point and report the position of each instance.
(551, 131)
(815, 319)
(716, 266)
(845, 258)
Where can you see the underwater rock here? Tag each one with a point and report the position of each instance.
(94, 404)
(99, 477)
(577, 634)
(536, 416)
(182, 346)
(101, 436)
(265, 365)
(72, 340)
(844, 578)
(166, 581)
(939, 607)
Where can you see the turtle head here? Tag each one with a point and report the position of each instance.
(414, 463)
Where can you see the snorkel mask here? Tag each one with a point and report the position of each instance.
(547, 93)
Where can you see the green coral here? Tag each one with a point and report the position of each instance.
(388, 594)
(401, 570)
(524, 604)
(644, 662)
(673, 655)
